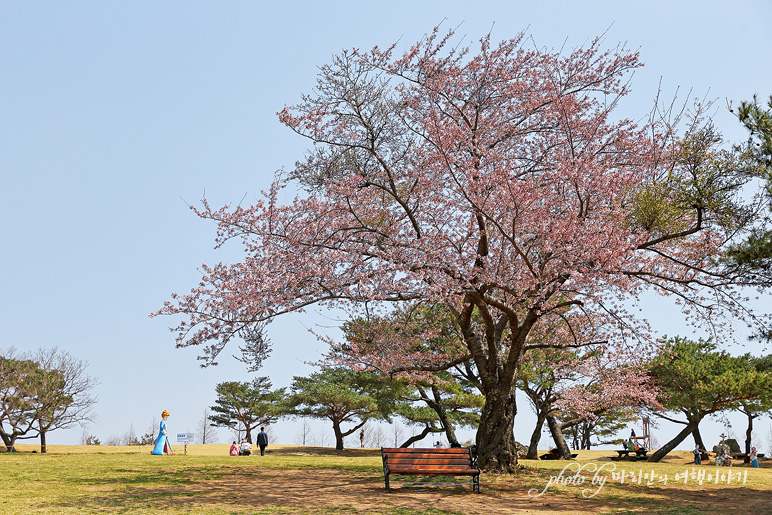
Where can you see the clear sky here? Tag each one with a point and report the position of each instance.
(116, 115)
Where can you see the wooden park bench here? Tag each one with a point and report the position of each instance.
(430, 462)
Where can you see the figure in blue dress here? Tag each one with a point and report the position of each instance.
(162, 445)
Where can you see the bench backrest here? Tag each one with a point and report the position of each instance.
(432, 457)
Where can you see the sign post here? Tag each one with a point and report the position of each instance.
(185, 438)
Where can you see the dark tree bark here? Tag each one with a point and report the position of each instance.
(748, 433)
(698, 437)
(557, 436)
(495, 436)
(338, 436)
(9, 440)
(447, 425)
(423, 434)
(533, 446)
(435, 403)
(672, 444)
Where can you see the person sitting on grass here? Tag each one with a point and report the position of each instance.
(245, 445)
(234, 449)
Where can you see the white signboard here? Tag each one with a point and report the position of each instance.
(185, 437)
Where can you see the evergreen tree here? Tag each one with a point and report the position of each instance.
(697, 380)
(343, 397)
(249, 404)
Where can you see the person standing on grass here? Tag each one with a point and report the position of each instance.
(754, 458)
(262, 440)
(697, 455)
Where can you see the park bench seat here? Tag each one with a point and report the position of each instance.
(430, 462)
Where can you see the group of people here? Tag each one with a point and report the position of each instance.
(162, 445)
(245, 449)
(723, 458)
(632, 446)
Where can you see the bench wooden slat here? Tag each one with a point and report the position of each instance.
(427, 461)
(421, 471)
(427, 450)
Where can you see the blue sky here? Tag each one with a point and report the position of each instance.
(114, 116)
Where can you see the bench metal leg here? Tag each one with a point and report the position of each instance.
(386, 480)
(476, 484)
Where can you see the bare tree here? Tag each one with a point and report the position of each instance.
(323, 439)
(206, 433)
(151, 433)
(303, 437)
(64, 397)
(84, 435)
(238, 432)
(375, 438)
(130, 437)
(114, 440)
(398, 433)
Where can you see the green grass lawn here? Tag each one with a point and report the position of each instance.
(79, 480)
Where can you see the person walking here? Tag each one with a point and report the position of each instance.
(262, 440)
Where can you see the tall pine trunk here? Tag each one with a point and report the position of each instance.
(42, 442)
(338, 436)
(748, 432)
(557, 436)
(672, 444)
(698, 438)
(445, 422)
(533, 446)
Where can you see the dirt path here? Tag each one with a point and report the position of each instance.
(314, 488)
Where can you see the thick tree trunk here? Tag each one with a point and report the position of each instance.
(680, 437)
(698, 437)
(495, 435)
(557, 436)
(9, 441)
(586, 435)
(42, 442)
(338, 436)
(533, 446)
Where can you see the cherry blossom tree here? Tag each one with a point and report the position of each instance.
(568, 387)
(497, 182)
